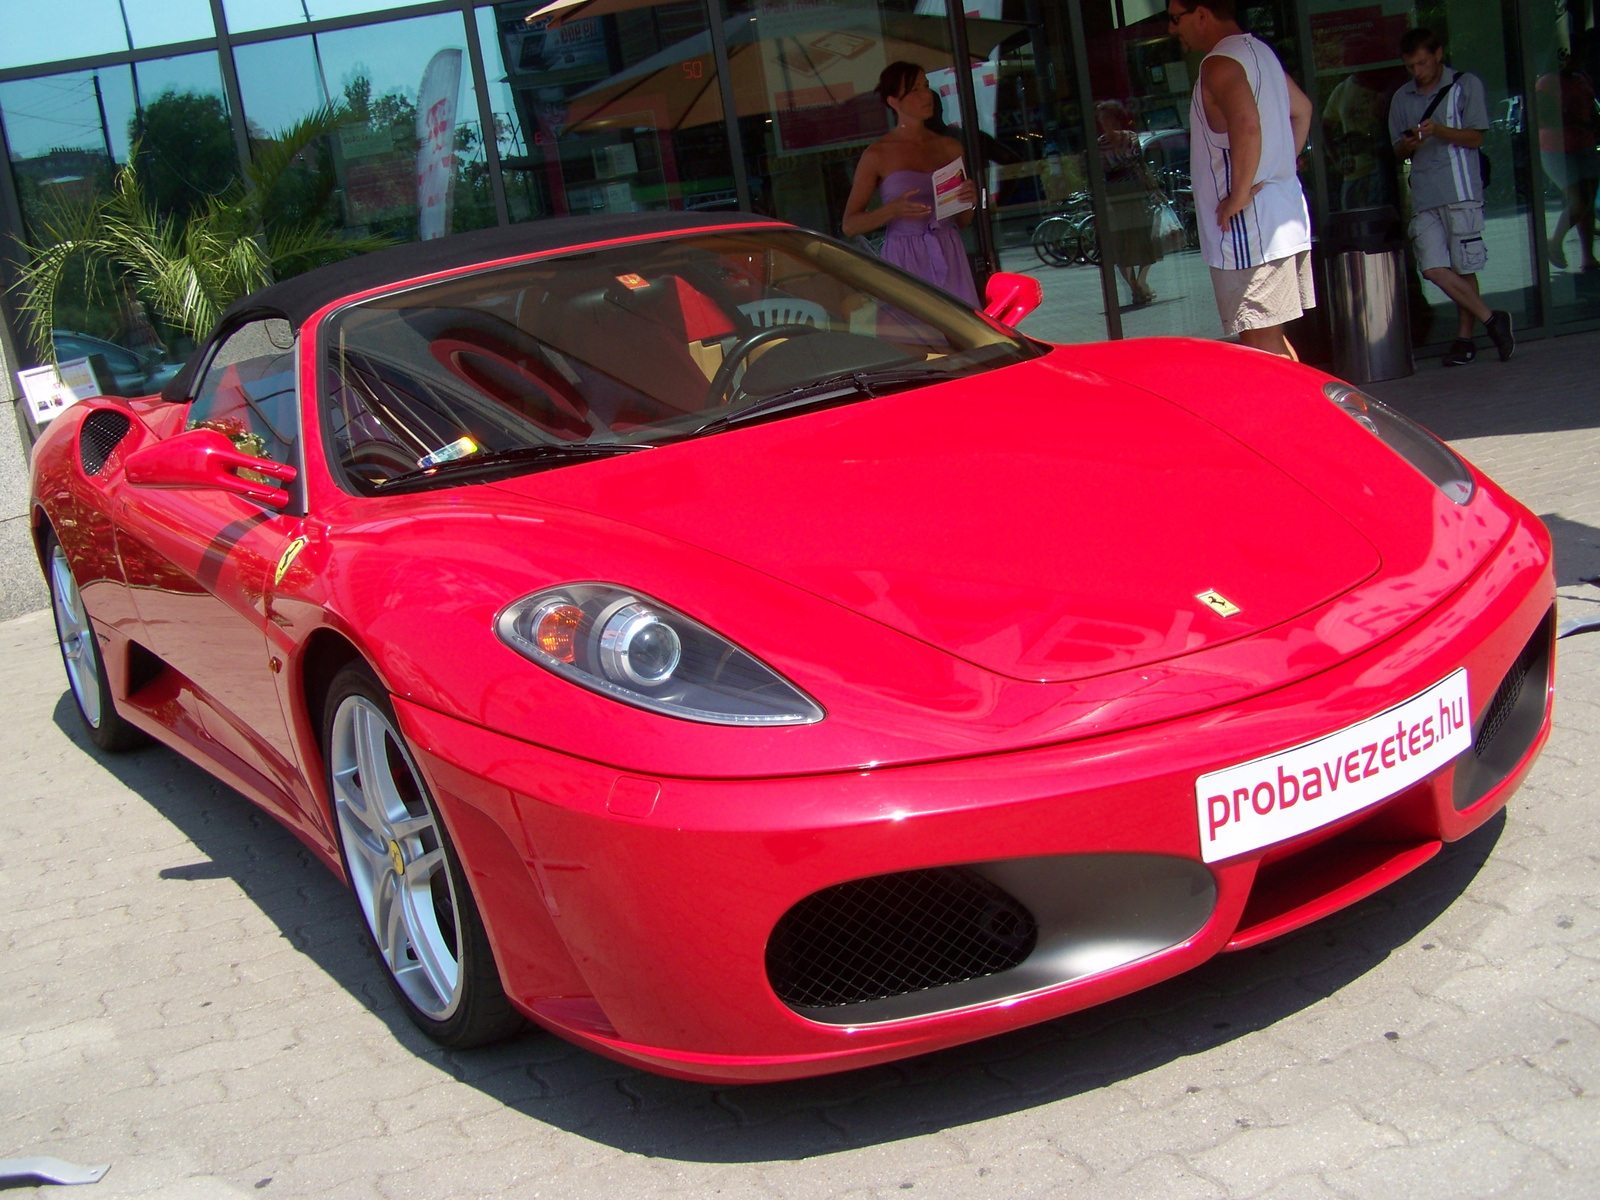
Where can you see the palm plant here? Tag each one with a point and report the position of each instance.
(187, 270)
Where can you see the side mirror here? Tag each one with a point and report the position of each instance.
(1010, 297)
(204, 458)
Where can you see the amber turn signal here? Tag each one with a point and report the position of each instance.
(556, 631)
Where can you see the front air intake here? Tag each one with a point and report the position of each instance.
(891, 935)
(1511, 723)
(100, 434)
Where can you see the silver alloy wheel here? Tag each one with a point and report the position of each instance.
(76, 633)
(396, 857)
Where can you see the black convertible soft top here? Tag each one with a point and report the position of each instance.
(300, 296)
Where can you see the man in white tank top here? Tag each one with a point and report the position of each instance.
(1248, 123)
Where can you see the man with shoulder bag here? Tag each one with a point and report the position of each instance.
(1437, 121)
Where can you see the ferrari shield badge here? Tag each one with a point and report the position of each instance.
(286, 559)
(1217, 603)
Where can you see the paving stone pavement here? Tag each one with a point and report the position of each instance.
(185, 994)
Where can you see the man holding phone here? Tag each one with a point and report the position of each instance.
(1437, 121)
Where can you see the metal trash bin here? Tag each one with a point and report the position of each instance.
(1365, 250)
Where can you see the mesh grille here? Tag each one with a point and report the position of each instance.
(1506, 695)
(893, 934)
(98, 437)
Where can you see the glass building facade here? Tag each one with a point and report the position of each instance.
(765, 106)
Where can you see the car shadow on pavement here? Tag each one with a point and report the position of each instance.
(1577, 549)
(560, 1085)
(240, 841)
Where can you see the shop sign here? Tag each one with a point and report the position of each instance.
(569, 53)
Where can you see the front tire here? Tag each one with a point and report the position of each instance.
(420, 914)
(80, 654)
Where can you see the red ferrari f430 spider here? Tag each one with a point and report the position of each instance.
(722, 649)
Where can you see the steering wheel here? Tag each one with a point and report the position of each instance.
(734, 359)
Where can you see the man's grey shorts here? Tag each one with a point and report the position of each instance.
(1259, 297)
(1450, 235)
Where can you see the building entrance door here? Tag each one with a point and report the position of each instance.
(1034, 161)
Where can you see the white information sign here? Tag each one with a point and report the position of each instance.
(51, 389)
(1281, 796)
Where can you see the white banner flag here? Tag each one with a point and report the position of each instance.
(436, 135)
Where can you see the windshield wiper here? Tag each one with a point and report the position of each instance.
(546, 454)
(845, 383)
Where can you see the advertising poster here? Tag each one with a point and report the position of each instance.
(436, 135)
(985, 91)
(572, 52)
(1353, 38)
(379, 182)
(985, 75)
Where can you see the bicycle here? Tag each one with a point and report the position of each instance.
(1068, 237)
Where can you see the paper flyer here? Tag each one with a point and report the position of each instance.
(946, 180)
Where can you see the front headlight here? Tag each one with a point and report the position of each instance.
(1407, 439)
(636, 650)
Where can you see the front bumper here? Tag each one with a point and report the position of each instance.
(633, 915)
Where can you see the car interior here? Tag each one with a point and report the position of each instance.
(583, 350)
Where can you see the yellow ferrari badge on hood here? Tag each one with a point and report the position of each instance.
(1217, 603)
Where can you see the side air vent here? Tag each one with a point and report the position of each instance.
(1510, 724)
(99, 435)
(1505, 700)
(895, 934)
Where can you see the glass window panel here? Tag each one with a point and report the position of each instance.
(1357, 54)
(68, 134)
(1567, 166)
(365, 177)
(249, 394)
(616, 113)
(62, 29)
(1142, 80)
(1357, 51)
(246, 15)
(80, 117)
(804, 79)
(186, 147)
(1037, 166)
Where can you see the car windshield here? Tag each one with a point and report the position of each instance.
(572, 358)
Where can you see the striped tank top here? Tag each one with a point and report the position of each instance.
(1276, 224)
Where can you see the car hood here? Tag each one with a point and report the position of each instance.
(1042, 521)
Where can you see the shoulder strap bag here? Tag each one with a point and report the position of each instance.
(1484, 169)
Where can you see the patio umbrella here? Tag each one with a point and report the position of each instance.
(564, 10)
(666, 84)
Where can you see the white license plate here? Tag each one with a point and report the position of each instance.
(1281, 796)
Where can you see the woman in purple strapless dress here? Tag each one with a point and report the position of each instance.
(899, 166)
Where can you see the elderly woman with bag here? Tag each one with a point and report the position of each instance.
(1133, 201)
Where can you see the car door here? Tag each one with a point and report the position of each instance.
(207, 557)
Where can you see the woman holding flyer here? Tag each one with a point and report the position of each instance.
(926, 190)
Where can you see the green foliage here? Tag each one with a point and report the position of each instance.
(186, 267)
(186, 151)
